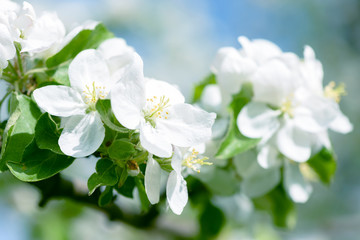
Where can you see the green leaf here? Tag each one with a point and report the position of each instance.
(57, 76)
(47, 134)
(199, 87)
(104, 109)
(280, 207)
(121, 149)
(234, 142)
(211, 219)
(38, 164)
(324, 165)
(127, 188)
(105, 175)
(20, 129)
(106, 197)
(143, 197)
(85, 39)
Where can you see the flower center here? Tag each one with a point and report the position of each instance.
(93, 93)
(156, 109)
(287, 106)
(193, 161)
(335, 92)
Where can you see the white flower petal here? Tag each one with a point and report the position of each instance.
(128, 95)
(233, 71)
(211, 98)
(294, 143)
(82, 135)
(117, 55)
(315, 114)
(177, 159)
(60, 101)
(152, 180)
(159, 88)
(200, 148)
(176, 192)
(154, 142)
(296, 186)
(25, 19)
(7, 49)
(320, 141)
(268, 157)
(312, 71)
(186, 125)
(220, 56)
(259, 49)
(257, 120)
(87, 68)
(47, 31)
(274, 81)
(341, 124)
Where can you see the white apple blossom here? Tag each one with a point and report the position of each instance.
(234, 67)
(158, 111)
(176, 187)
(283, 108)
(90, 80)
(291, 113)
(35, 34)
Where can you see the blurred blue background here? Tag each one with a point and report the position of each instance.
(178, 40)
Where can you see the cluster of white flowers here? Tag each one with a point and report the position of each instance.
(290, 110)
(36, 34)
(154, 108)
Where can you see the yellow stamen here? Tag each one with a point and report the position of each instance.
(335, 92)
(287, 107)
(193, 161)
(93, 93)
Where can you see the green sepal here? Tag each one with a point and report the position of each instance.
(103, 107)
(165, 163)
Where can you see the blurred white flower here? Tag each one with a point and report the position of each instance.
(283, 107)
(36, 35)
(234, 67)
(312, 74)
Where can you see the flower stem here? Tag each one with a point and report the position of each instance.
(19, 60)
